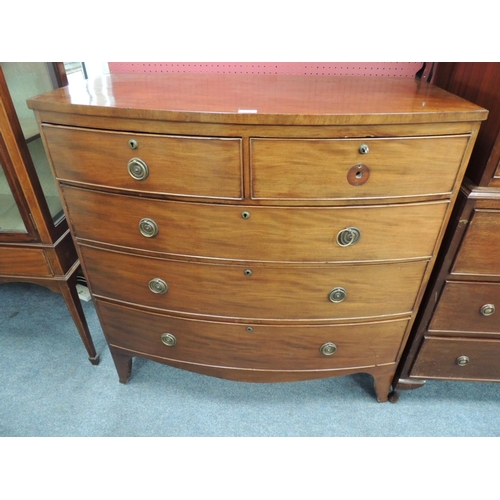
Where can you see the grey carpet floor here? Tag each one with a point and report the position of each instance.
(49, 388)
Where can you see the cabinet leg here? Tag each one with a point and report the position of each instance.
(70, 294)
(383, 382)
(123, 364)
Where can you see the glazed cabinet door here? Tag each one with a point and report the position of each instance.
(26, 180)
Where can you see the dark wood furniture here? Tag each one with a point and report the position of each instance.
(457, 333)
(35, 241)
(258, 228)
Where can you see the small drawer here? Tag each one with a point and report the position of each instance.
(22, 261)
(479, 251)
(252, 346)
(286, 234)
(179, 166)
(458, 359)
(333, 169)
(271, 292)
(468, 307)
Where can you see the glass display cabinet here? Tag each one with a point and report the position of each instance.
(35, 242)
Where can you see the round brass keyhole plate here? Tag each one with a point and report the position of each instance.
(358, 174)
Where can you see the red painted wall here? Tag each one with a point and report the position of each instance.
(401, 69)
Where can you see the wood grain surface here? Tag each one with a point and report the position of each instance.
(279, 234)
(269, 99)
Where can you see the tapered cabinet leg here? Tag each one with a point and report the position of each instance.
(70, 294)
(123, 364)
(383, 382)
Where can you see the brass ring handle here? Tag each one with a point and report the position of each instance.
(168, 339)
(148, 228)
(157, 285)
(138, 169)
(348, 236)
(328, 349)
(487, 309)
(337, 295)
(462, 360)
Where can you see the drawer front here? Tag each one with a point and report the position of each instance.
(192, 166)
(479, 251)
(268, 234)
(23, 262)
(458, 359)
(263, 347)
(468, 307)
(262, 292)
(318, 169)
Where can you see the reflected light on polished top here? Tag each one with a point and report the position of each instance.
(272, 99)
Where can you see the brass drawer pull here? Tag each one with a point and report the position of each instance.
(157, 285)
(148, 228)
(138, 169)
(328, 349)
(487, 309)
(462, 360)
(348, 236)
(337, 295)
(168, 339)
(364, 149)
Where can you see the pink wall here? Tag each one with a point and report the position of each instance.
(402, 69)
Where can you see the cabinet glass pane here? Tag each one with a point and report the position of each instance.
(10, 218)
(46, 178)
(25, 80)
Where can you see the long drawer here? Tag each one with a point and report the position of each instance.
(468, 307)
(252, 346)
(176, 165)
(336, 169)
(459, 359)
(290, 234)
(261, 292)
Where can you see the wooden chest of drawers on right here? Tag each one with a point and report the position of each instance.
(456, 335)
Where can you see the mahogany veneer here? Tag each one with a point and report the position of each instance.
(252, 189)
(36, 246)
(457, 333)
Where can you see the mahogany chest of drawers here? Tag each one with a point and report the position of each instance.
(456, 335)
(258, 228)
